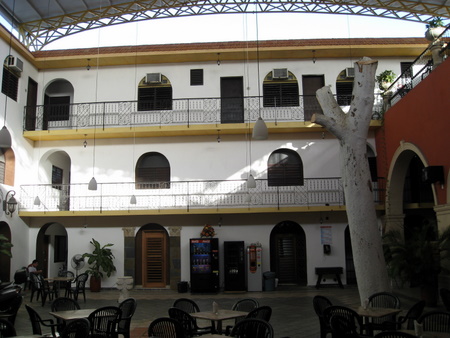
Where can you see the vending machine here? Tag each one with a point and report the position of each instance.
(234, 265)
(204, 257)
(254, 267)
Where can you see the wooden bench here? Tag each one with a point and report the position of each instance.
(335, 270)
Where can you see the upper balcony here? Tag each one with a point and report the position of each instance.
(198, 116)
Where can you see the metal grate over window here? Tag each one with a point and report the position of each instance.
(196, 77)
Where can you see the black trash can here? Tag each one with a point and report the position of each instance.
(183, 287)
(269, 281)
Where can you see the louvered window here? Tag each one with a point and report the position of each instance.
(153, 172)
(285, 168)
(57, 108)
(57, 178)
(280, 94)
(155, 98)
(10, 84)
(196, 77)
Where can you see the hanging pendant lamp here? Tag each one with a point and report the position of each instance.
(5, 138)
(251, 183)
(260, 131)
(133, 199)
(92, 184)
(37, 201)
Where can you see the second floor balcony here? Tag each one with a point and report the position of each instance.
(199, 115)
(178, 197)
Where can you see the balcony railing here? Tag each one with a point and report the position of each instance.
(187, 195)
(176, 112)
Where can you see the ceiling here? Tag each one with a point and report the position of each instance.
(39, 22)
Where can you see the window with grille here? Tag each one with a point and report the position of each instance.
(57, 108)
(344, 90)
(196, 77)
(406, 69)
(280, 92)
(285, 168)
(153, 172)
(10, 84)
(155, 95)
(57, 177)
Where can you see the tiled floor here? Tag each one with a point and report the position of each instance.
(293, 315)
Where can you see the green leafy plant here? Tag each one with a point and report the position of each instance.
(386, 77)
(101, 260)
(5, 246)
(435, 22)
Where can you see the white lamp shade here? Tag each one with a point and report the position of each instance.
(5, 138)
(133, 199)
(251, 183)
(37, 201)
(260, 130)
(92, 184)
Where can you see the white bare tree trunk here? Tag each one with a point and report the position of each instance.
(351, 130)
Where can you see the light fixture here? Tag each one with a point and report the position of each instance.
(260, 129)
(88, 67)
(251, 182)
(37, 201)
(133, 199)
(9, 205)
(218, 59)
(93, 183)
(218, 136)
(5, 136)
(314, 56)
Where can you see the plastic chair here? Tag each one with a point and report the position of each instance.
(166, 328)
(262, 312)
(63, 304)
(252, 327)
(186, 304)
(35, 286)
(104, 320)
(445, 297)
(247, 305)
(413, 314)
(382, 300)
(46, 290)
(188, 322)
(128, 307)
(6, 328)
(354, 321)
(68, 284)
(10, 312)
(393, 334)
(80, 286)
(78, 328)
(37, 321)
(320, 303)
(436, 321)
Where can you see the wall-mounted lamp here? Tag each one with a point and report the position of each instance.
(9, 205)
(218, 59)
(314, 56)
(218, 136)
(88, 67)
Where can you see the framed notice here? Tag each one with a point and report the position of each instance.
(325, 235)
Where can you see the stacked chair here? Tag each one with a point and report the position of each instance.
(320, 303)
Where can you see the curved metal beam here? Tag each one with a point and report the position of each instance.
(35, 35)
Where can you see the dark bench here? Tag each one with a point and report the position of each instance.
(335, 270)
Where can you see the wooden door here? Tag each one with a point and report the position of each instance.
(154, 259)
(5, 261)
(232, 99)
(30, 110)
(311, 83)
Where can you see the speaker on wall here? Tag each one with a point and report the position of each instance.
(433, 174)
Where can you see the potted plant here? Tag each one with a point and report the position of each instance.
(435, 28)
(416, 259)
(100, 261)
(385, 79)
(5, 246)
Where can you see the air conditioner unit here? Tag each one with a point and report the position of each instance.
(15, 63)
(280, 73)
(350, 72)
(153, 78)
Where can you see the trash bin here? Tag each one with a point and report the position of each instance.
(183, 287)
(269, 281)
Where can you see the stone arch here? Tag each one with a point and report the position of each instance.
(46, 246)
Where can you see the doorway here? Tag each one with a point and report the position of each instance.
(232, 100)
(30, 110)
(311, 83)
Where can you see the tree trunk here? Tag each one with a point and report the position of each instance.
(351, 130)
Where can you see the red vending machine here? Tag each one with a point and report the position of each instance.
(204, 254)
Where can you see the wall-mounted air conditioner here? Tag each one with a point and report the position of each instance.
(349, 72)
(15, 63)
(153, 78)
(280, 73)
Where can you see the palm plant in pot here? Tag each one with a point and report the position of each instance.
(5, 246)
(100, 261)
(418, 257)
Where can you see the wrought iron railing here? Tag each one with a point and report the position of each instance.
(420, 68)
(176, 112)
(187, 195)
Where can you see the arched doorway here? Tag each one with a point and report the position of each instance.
(288, 253)
(5, 261)
(152, 257)
(51, 249)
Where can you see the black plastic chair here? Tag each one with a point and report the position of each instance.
(68, 284)
(186, 304)
(382, 300)
(445, 297)
(6, 328)
(188, 322)
(35, 286)
(393, 334)
(63, 304)
(436, 321)
(128, 307)
(320, 303)
(166, 328)
(11, 308)
(46, 290)
(78, 328)
(413, 314)
(80, 287)
(37, 321)
(246, 305)
(343, 326)
(353, 319)
(263, 312)
(104, 320)
(252, 327)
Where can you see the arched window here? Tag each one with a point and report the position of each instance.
(285, 168)
(152, 172)
(280, 89)
(154, 93)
